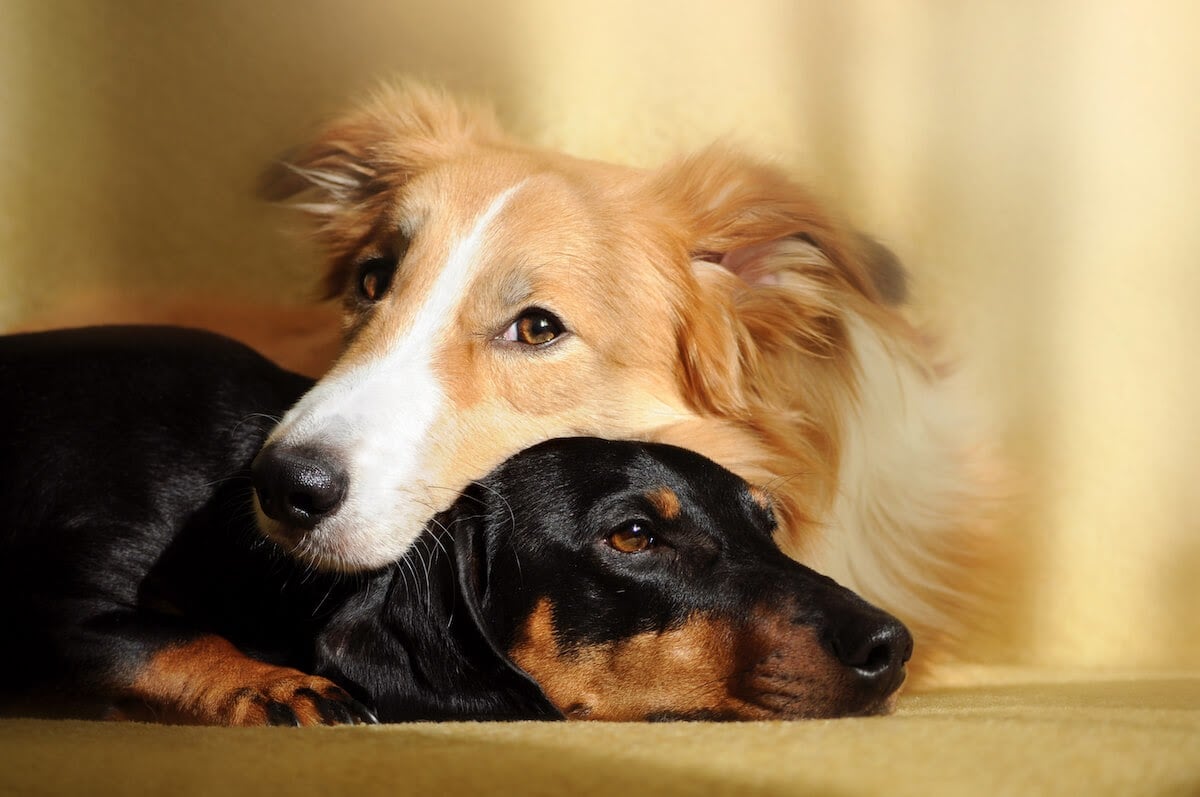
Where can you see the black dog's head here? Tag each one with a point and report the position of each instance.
(607, 580)
(635, 581)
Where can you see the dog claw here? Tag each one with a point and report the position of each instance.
(281, 714)
(331, 706)
(362, 714)
(371, 719)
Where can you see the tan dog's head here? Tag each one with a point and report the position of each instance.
(498, 295)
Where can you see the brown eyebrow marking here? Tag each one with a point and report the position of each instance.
(665, 501)
(760, 496)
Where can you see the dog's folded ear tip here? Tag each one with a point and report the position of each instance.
(888, 274)
(279, 181)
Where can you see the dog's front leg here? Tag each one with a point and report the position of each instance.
(140, 665)
(206, 680)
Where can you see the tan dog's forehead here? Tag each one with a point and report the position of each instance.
(567, 238)
(561, 187)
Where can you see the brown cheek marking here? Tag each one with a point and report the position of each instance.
(665, 501)
(766, 669)
(208, 681)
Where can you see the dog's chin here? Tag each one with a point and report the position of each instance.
(771, 699)
(871, 708)
(800, 707)
(768, 707)
(783, 699)
(328, 547)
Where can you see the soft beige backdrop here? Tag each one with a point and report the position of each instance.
(1036, 163)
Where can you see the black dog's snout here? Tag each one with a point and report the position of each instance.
(870, 644)
(298, 486)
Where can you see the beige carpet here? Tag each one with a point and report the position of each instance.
(1028, 734)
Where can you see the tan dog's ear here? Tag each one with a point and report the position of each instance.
(774, 272)
(736, 211)
(714, 346)
(401, 129)
(344, 179)
(887, 272)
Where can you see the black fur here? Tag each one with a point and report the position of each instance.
(127, 528)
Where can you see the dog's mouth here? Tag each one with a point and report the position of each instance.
(770, 692)
(757, 697)
(299, 544)
(339, 544)
(790, 697)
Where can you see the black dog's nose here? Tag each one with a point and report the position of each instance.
(872, 645)
(298, 486)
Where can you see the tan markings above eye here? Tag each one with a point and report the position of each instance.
(665, 501)
(632, 538)
(760, 496)
(534, 327)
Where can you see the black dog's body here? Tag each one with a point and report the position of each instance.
(109, 536)
(128, 527)
(130, 559)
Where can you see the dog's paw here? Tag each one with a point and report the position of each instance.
(288, 697)
(208, 681)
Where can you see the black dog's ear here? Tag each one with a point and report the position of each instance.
(472, 563)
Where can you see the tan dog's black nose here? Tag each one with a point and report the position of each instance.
(298, 486)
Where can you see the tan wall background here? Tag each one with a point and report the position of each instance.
(1037, 164)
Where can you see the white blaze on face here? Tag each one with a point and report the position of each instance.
(376, 416)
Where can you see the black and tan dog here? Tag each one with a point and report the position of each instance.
(584, 578)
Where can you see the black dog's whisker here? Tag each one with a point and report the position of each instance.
(773, 485)
(410, 570)
(512, 519)
(422, 557)
(441, 528)
(435, 533)
(334, 582)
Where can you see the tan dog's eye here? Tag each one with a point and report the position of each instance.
(374, 278)
(633, 538)
(534, 327)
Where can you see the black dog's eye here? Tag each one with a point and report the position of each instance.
(534, 327)
(374, 277)
(633, 538)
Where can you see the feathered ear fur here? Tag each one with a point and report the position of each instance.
(344, 179)
(734, 208)
(774, 273)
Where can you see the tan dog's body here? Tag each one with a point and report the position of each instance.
(712, 304)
